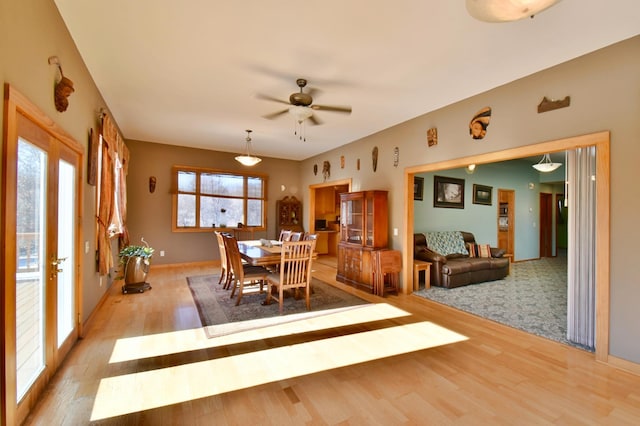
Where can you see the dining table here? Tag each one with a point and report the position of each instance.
(260, 252)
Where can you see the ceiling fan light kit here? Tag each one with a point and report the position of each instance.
(248, 159)
(545, 165)
(301, 107)
(506, 10)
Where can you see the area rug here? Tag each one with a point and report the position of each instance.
(532, 298)
(220, 315)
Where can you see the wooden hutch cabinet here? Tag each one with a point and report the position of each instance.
(363, 230)
(289, 214)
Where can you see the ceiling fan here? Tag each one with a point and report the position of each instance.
(301, 105)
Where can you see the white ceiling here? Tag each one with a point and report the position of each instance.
(187, 72)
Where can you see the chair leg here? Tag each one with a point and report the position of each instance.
(308, 297)
(240, 293)
(281, 298)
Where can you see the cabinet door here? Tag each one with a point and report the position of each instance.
(351, 228)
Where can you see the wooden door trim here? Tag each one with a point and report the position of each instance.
(600, 140)
(15, 105)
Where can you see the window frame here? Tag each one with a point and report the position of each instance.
(232, 173)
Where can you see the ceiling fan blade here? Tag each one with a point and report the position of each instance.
(345, 109)
(314, 120)
(276, 114)
(271, 98)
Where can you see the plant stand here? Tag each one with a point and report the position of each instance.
(135, 288)
(135, 275)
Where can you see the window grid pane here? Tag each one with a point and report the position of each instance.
(207, 200)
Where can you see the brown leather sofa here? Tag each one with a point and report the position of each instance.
(456, 270)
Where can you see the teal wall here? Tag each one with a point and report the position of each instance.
(480, 219)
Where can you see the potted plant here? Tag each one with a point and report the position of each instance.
(135, 261)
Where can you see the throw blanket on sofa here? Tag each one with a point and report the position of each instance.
(446, 242)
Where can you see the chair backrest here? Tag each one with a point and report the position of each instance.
(295, 263)
(311, 237)
(295, 236)
(233, 254)
(284, 235)
(224, 260)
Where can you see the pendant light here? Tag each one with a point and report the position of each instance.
(506, 10)
(545, 165)
(248, 159)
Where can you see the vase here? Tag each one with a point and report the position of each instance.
(135, 270)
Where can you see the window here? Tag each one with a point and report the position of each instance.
(206, 199)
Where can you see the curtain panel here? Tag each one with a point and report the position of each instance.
(113, 193)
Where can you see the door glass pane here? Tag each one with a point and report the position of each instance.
(66, 257)
(31, 263)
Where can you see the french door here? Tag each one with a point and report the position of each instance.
(41, 235)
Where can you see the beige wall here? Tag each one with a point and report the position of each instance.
(604, 87)
(149, 215)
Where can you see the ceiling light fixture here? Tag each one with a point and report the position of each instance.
(506, 10)
(470, 169)
(545, 165)
(300, 113)
(248, 159)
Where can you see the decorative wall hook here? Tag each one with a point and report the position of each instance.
(549, 104)
(63, 88)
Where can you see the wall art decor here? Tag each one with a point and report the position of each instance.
(549, 104)
(315, 169)
(418, 188)
(479, 123)
(432, 136)
(482, 194)
(342, 161)
(396, 156)
(448, 192)
(358, 164)
(374, 158)
(326, 170)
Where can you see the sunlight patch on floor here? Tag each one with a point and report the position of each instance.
(147, 390)
(132, 348)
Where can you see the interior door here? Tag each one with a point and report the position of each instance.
(40, 259)
(546, 225)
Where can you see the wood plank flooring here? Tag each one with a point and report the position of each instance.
(402, 360)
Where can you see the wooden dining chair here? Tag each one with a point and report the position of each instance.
(284, 235)
(225, 266)
(295, 271)
(243, 273)
(295, 236)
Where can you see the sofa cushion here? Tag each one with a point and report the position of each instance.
(472, 249)
(446, 242)
(484, 250)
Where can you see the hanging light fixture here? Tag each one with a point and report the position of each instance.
(248, 159)
(545, 165)
(470, 169)
(506, 10)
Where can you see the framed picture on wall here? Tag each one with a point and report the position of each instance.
(418, 188)
(448, 192)
(482, 194)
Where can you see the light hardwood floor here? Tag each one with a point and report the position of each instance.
(402, 360)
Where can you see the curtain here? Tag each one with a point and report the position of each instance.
(581, 175)
(105, 209)
(123, 156)
(113, 193)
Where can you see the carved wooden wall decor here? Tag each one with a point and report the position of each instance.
(479, 123)
(549, 104)
(432, 136)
